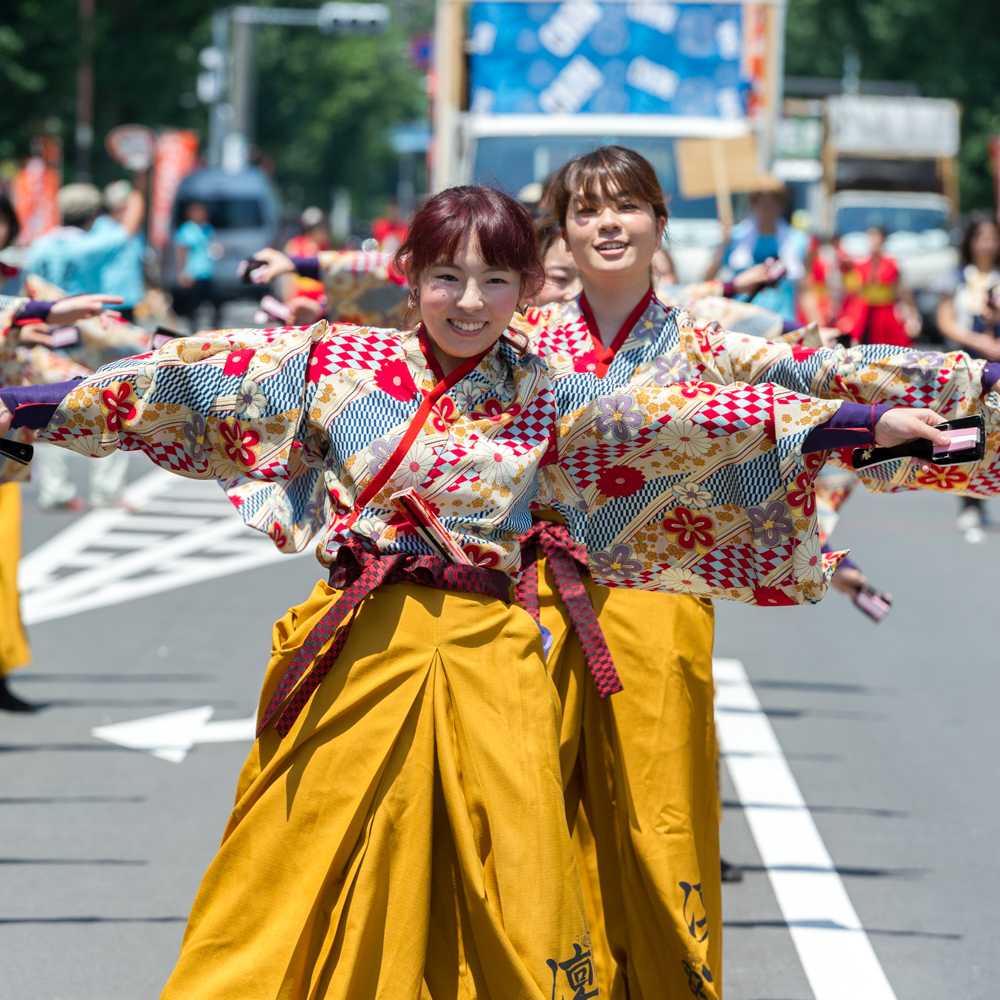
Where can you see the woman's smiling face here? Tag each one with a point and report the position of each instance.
(465, 303)
(612, 234)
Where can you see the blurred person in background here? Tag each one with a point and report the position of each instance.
(968, 314)
(123, 275)
(881, 309)
(390, 230)
(194, 246)
(762, 237)
(306, 296)
(10, 228)
(562, 273)
(73, 255)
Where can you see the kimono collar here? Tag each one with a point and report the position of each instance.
(605, 355)
(455, 376)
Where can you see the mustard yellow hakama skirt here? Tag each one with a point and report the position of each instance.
(14, 649)
(407, 839)
(639, 772)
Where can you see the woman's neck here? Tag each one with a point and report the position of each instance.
(984, 264)
(612, 298)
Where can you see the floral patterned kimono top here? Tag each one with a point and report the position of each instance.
(660, 346)
(311, 430)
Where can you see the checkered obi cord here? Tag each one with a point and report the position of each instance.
(690, 487)
(357, 572)
(668, 346)
(567, 560)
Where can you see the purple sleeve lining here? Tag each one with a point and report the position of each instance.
(852, 426)
(33, 405)
(990, 375)
(308, 267)
(35, 309)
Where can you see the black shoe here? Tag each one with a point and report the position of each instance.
(9, 702)
(730, 873)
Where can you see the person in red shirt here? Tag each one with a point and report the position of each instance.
(881, 311)
(390, 230)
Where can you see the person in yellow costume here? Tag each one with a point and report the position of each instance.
(24, 325)
(639, 768)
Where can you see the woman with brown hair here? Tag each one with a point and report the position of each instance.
(643, 762)
(399, 829)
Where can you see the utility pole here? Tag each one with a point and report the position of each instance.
(228, 83)
(84, 132)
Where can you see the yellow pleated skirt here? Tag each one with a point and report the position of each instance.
(407, 839)
(639, 773)
(14, 649)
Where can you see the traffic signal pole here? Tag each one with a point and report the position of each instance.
(227, 84)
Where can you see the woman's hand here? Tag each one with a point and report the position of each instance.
(901, 424)
(5, 419)
(848, 579)
(35, 333)
(70, 310)
(277, 264)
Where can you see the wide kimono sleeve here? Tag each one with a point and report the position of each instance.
(696, 488)
(363, 288)
(951, 384)
(235, 411)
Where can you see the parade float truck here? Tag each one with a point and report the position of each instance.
(891, 162)
(520, 88)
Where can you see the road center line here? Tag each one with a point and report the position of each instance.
(836, 955)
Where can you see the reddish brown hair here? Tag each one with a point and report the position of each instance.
(604, 172)
(503, 228)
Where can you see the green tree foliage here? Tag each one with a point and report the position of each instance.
(950, 48)
(324, 104)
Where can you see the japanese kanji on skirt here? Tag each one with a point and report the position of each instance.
(400, 828)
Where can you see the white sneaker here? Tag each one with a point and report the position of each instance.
(975, 535)
(969, 519)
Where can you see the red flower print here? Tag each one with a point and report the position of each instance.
(815, 460)
(802, 496)
(692, 530)
(692, 390)
(119, 405)
(239, 443)
(846, 390)
(237, 362)
(278, 535)
(943, 478)
(801, 353)
(494, 410)
(771, 597)
(444, 414)
(482, 557)
(620, 481)
(394, 378)
(585, 363)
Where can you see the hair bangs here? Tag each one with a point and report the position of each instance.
(504, 232)
(605, 173)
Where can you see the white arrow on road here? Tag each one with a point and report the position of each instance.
(171, 736)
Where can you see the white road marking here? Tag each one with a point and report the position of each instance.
(172, 735)
(179, 532)
(836, 955)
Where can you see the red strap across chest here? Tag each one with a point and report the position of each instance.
(419, 418)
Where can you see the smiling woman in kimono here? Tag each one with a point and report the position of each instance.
(644, 762)
(399, 828)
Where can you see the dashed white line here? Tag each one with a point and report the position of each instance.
(836, 955)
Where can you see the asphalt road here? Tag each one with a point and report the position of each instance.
(888, 730)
